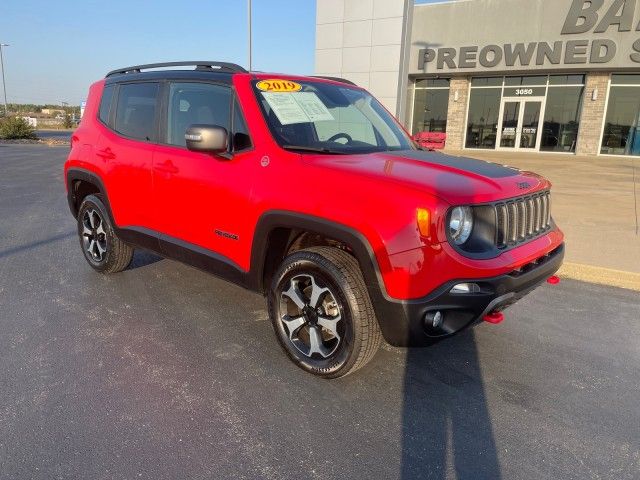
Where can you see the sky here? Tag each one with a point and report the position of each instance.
(57, 49)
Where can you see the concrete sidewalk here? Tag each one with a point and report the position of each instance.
(595, 202)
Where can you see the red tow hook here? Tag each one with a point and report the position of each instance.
(494, 317)
(553, 280)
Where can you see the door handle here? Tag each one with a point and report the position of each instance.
(167, 167)
(106, 154)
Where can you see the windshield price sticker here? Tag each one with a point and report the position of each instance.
(286, 108)
(275, 85)
(313, 107)
(297, 107)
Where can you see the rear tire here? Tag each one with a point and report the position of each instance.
(321, 312)
(101, 247)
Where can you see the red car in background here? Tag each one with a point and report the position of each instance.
(431, 140)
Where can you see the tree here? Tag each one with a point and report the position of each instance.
(13, 128)
(68, 123)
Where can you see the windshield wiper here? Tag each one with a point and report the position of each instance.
(304, 148)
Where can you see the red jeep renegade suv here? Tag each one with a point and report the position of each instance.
(306, 190)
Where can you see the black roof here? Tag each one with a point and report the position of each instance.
(204, 70)
(206, 65)
(223, 77)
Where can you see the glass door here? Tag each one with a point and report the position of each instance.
(510, 125)
(529, 125)
(520, 124)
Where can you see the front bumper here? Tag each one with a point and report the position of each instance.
(403, 322)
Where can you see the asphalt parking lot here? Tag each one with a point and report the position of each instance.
(163, 371)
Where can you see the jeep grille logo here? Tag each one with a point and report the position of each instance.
(523, 185)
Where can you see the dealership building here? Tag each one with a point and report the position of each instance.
(517, 75)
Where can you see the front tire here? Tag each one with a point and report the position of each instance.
(101, 247)
(321, 312)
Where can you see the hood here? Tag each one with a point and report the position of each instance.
(456, 180)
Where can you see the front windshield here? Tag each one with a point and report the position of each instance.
(328, 118)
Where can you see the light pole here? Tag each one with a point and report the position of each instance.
(249, 21)
(4, 82)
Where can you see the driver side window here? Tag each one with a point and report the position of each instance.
(196, 103)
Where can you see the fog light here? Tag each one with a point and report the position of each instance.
(433, 319)
(466, 288)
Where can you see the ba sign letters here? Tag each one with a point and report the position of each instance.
(597, 33)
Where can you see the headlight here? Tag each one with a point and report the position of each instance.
(460, 224)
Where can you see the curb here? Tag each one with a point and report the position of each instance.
(601, 276)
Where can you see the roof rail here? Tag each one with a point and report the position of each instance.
(335, 79)
(203, 65)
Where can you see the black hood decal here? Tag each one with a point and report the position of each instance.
(479, 167)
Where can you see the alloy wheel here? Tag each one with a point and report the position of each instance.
(311, 316)
(94, 237)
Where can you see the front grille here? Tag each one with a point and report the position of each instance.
(522, 219)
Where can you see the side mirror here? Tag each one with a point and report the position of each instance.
(207, 138)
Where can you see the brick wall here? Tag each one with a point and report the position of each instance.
(457, 112)
(592, 114)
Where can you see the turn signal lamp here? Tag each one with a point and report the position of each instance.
(424, 222)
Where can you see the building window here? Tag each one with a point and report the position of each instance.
(621, 132)
(562, 113)
(528, 81)
(430, 105)
(487, 81)
(523, 103)
(482, 125)
(566, 80)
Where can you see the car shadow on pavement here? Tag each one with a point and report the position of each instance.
(446, 426)
(143, 258)
(30, 246)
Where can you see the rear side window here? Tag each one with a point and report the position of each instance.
(105, 104)
(196, 103)
(136, 110)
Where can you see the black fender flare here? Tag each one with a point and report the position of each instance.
(390, 312)
(271, 220)
(137, 236)
(75, 174)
